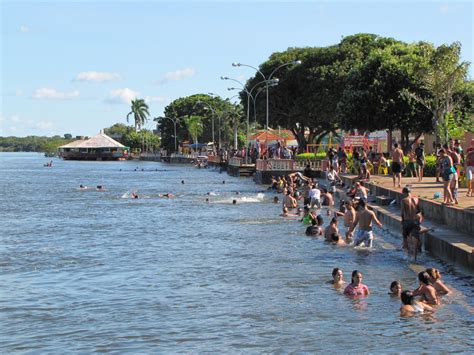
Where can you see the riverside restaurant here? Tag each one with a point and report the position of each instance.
(99, 147)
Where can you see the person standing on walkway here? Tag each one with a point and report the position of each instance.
(447, 173)
(397, 163)
(420, 160)
(411, 217)
(469, 169)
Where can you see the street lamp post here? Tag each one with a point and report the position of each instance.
(214, 112)
(267, 80)
(174, 124)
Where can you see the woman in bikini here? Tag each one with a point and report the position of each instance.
(410, 306)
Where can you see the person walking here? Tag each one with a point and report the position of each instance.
(397, 164)
(420, 160)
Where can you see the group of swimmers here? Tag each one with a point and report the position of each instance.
(426, 297)
(354, 210)
(97, 188)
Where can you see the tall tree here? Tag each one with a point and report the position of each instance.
(195, 127)
(442, 79)
(139, 110)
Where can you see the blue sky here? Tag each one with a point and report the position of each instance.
(73, 66)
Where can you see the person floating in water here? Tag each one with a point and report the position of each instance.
(100, 188)
(166, 195)
(134, 195)
(83, 187)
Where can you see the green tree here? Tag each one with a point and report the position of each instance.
(212, 110)
(195, 126)
(139, 110)
(442, 79)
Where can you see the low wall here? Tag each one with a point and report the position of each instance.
(457, 218)
(446, 244)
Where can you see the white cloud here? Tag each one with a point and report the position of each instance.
(52, 94)
(96, 76)
(24, 29)
(444, 9)
(11, 125)
(159, 99)
(119, 96)
(177, 75)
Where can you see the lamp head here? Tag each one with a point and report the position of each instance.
(235, 64)
(297, 62)
(224, 78)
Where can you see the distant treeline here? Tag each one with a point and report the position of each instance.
(32, 144)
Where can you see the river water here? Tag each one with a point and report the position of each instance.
(86, 271)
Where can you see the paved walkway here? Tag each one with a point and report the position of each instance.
(425, 189)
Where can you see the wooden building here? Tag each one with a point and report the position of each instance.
(99, 147)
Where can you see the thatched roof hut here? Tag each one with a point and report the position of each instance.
(99, 147)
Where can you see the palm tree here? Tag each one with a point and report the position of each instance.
(139, 109)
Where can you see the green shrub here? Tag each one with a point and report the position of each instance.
(310, 156)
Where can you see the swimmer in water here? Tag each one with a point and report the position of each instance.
(435, 278)
(426, 290)
(337, 278)
(410, 306)
(331, 229)
(82, 187)
(182, 181)
(276, 199)
(337, 240)
(234, 202)
(133, 195)
(395, 289)
(167, 195)
(100, 188)
(356, 287)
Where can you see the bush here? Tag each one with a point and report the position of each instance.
(310, 156)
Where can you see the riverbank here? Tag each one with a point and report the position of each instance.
(450, 234)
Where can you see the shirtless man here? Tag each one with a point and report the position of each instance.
(397, 163)
(331, 229)
(327, 198)
(411, 217)
(289, 201)
(364, 218)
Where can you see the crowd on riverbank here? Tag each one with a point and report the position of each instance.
(305, 199)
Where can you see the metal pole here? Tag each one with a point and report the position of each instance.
(175, 146)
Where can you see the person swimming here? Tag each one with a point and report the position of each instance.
(410, 306)
(426, 289)
(356, 287)
(337, 277)
(83, 187)
(435, 278)
(395, 289)
(100, 188)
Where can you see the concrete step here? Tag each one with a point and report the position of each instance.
(383, 200)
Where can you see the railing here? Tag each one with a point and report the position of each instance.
(214, 159)
(318, 164)
(276, 164)
(179, 155)
(235, 161)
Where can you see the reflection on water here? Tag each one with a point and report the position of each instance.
(90, 271)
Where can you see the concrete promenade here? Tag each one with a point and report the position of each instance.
(451, 228)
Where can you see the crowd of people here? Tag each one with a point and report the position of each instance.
(358, 221)
(426, 297)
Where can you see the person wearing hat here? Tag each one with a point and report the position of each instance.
(420, 160)
(411, 217)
